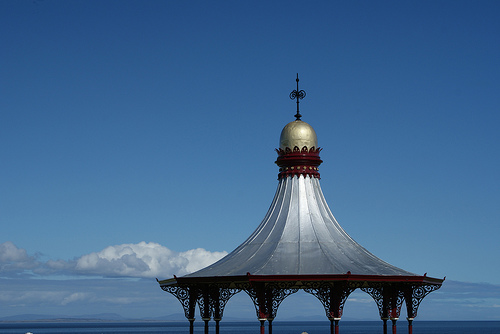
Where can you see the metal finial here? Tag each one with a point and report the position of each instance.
(299, 95)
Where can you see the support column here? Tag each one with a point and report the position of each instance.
(193, 295)
(191, 326)
(336, 325)
(385, 313)
(204, 304)
(267, 296)
(219, 296)
(215, 304)
(410, 325)
(217, 325)
(394, 325)
(270, 322)
(206, 320)
(413, 295)
(263, 310)
(187, 295)
(262, 325)
(384, 325)
(333, 297)
(389, 298)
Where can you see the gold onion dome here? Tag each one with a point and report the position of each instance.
(298, 133)
(298, 154)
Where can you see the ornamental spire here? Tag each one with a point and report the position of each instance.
(299, 95)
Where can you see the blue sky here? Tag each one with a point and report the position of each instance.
(137, 137)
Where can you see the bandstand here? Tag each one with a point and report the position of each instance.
(299, 245)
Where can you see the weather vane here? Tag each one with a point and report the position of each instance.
(299, 95)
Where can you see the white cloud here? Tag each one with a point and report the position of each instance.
(200, 258)
(74, 297)
(10, 253)
(141, 260)
(22, 298)
(144, 260)
(14, 260)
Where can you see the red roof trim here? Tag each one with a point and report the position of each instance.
(345, 277)
(298, 162)
(287, 278)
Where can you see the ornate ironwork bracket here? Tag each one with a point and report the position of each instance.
(414, 294)
(220, 295)
(331, 295)
(212, 299)
(389, 299)
(267, 297)
(204, 302)
(187, 296)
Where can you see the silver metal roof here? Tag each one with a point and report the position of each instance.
(298, 236)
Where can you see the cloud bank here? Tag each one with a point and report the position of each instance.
(83, 287)
(141, 260)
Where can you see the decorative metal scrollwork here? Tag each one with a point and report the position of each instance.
(204, 301)
(388, 298)
(376, 294)
(414, 294)
(298, 95)
(279, 292)
(267, 297)
(187, 296)
(332, 296)
(213, 298)
(219, 298)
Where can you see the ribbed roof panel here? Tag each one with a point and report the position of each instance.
(299, 236)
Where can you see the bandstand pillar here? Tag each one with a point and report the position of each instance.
(263, 303)
(395, 302)
(333, 297)
(384, 320)
(206, 320)
(204, 304)
(336, 325)
(413, 295)
(191, 326)
(389, 299)
(385, 313)
(410, 325)
(394, 329)
(187, 296)
(216, 307)
(217, 326)
(270, 323)
(262, 325)
(193, 295)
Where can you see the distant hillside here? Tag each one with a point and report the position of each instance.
(59, 317)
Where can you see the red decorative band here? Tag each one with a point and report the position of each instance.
(298, 162)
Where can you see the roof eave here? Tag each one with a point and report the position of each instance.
(425, 280)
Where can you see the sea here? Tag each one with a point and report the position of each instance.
(288, 327)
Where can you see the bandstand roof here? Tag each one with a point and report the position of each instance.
(299, 234)
(299, 237)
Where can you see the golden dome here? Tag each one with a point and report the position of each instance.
(298, 133)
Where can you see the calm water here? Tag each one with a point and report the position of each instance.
(313, 327)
